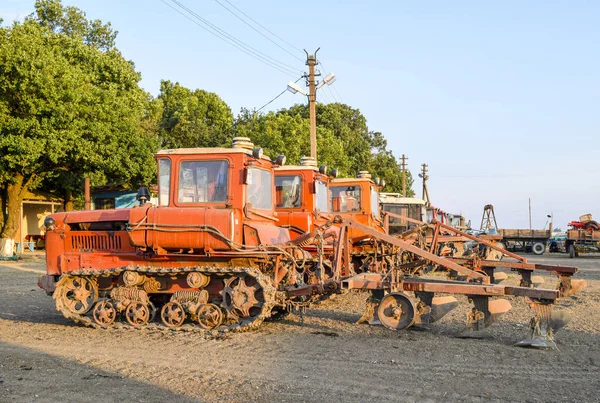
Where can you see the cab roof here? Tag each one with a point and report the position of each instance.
(207, 150)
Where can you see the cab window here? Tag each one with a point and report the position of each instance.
(321, 197)
(260, 188)
(164, 181)
(288, 191)
(203, 182)
(345, 199)
(374, 202)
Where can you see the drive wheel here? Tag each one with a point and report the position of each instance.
(572, 251)
(396, 311)
(242, 297)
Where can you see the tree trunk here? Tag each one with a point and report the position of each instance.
(14, 198)
(69, 201)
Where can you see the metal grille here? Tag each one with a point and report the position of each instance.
(95, 242)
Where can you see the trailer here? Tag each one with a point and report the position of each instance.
(528, 240)
(582, 241)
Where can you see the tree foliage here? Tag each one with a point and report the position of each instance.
(344, 140)
(70, 106)
(195, 118)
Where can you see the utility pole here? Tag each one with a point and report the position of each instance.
(404, 175)
(425, 177)
(311, 62)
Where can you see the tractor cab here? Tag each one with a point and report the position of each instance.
(357, 199)
(410, 207)
(302, 196)
(436, 214)
(229, 191)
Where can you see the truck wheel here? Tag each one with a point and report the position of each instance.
(572, 251)
(591, 226)
(538, 248)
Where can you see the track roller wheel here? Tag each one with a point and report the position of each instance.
(137, 314)
(172, 314)
(209, 316)
(104, 312)
(396, 311)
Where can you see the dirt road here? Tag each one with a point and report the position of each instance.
(320, 356)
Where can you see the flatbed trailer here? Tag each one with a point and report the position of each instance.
(526, 239)
(582, 241)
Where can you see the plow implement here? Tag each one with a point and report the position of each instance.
(403, 299)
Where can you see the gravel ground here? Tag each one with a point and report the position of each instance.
(321, 355)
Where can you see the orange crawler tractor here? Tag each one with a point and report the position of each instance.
(210, 251)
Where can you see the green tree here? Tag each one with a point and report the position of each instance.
(282, 133)
(70, 106)
(193, 118)
(344, 140)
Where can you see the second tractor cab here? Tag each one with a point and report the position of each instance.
(302, 196)
(436, 214)
(411, 207)
(357, 199)
(459, 222)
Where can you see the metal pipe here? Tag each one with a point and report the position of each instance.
(88, 198)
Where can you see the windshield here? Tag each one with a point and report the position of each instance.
(164, 181)
(260, 188)
(429, 216)
(374, 202)
(203, 182)
(345, 199)
(288, 191)
(321, 196)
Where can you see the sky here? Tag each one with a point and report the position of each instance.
(500, 99)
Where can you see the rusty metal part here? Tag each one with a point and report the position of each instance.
(345, 223)
(197, 280)
(137, 313)
(396, 311)
(75, 294)
(151, 285)
(124, 296)
(482, 315)
(172, 314)
(132, 278)
(239, 298)
(544, 325)
(268, 293)
(209, 316)
(104, 312)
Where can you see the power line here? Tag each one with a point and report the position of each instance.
(231, 37)
(268, 103)
(214, 30)
(263, 27)
(280, 94)
(265, 36)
